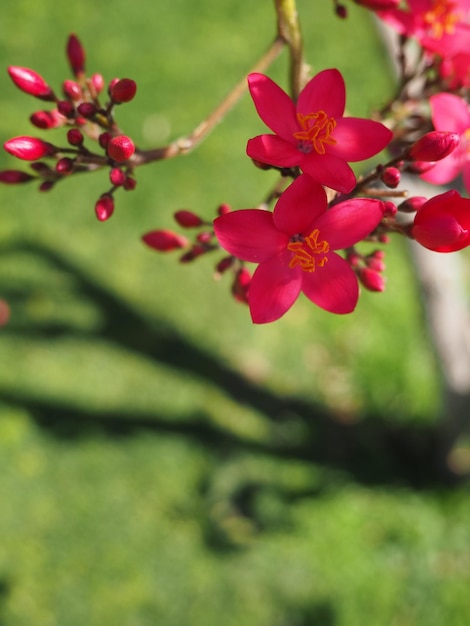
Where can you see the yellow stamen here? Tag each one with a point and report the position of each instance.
(316, 131)
(442, 18)
(305, 251)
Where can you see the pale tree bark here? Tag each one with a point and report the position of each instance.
(444, 299)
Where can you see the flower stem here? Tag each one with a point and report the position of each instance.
(288, 28)
(186, 144)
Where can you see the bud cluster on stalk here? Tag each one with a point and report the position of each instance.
(203, 241)
(79, 112)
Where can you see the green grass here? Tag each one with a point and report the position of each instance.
(162, 460)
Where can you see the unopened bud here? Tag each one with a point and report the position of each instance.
(87, 110)
(378, 5)
(223, 265)
(4, 312)
(205, 237)
(122, 90)
(15, 177)
(371, 279)
(419, 167)
(120, 148)
(223, 209)
(117, 176)
(75, 137)
(187, 219)
(31, 83)
(47, 119)
(390, 209)
(193, 253)
(66, 108)
(71, 90)
(164, 240)
(241, 284)
(97, 82)
(434, 146)
(104, 139)
(391, 177)
(64, 166)
(341, 11)
(130, 183)
(104, 208)
(46, 185)
(75, 55)
(29, 148)
(410, 205)
(41, 168)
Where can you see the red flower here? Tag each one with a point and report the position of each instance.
(442, 224)
(294, 247)
(313, 134)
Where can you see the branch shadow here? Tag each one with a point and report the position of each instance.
(373, 450)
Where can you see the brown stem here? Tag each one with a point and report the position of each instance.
(186, 144)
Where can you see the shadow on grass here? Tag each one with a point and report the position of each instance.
(372, 451)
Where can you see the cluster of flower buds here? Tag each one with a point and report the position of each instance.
(79, 111)
(204, 241)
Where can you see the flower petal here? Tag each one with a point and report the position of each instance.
(333, 287)
(445, 170)
(350, 221)
(329, 170)
(249, 234)
(273, 105)
(324, 92)
(449, 112)
(358, 139)
(273, 150)
(299, 206)
(274, 288)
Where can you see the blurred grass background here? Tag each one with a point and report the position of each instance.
(163, 461)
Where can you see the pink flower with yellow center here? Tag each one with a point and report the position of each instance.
(295, 248)
(442, 224)
(451, 113)
(313, 134)
(440, 26)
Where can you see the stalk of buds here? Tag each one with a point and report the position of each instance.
(81, 113)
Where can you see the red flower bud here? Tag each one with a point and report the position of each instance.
(223, 209)
(29, 148)
(15, 177)
(104, 208)
(443, 223)
(164, 240)
(47, 119)
(434, 146)
(371, 279)
(223, 265)
(120, 148)
(241, 284)
(122, 90)
(97, 82)
(390, 209)
(187, 219)
(129, 184)
(104, 139)
(75, 55)
(64, 166)
(419, 167)
(66, 108)
(117, 176)
(87, 109)
(410, 205)
(378, 5)
(75, 137)
(4, 312)
(31, 83)
(46, 185)
(391, 177)
(71, 90)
